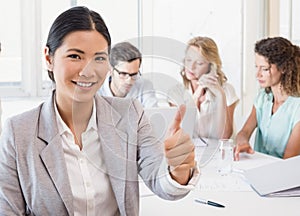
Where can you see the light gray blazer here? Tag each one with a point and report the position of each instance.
(33, 172)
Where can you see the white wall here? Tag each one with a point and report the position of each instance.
(235, 25)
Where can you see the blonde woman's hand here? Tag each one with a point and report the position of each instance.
(211, 82)
(198, 96)
(207, 80)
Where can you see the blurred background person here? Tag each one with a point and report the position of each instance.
(125, 78)
(276, 110)
(205, 86)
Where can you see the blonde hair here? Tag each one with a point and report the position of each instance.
(209, 50)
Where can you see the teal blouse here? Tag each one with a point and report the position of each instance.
(273, 131)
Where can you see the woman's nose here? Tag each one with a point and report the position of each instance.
(88, 69)
(258, 71)
(190, 66)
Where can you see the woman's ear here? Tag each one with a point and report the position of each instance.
(48, 59)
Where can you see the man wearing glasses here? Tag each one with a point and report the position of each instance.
(125, 79)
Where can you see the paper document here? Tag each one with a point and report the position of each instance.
(250, 161)
(200, 142)
(281, 178)
(294, 192)
(215, 182)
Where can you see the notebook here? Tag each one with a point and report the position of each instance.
(162, 117)
(281, 178)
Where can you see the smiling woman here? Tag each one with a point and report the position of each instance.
(82, 150)
(78, 69)
(77, 61)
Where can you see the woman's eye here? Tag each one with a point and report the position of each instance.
(74, 56)
(100, 59)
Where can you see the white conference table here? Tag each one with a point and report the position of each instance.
(232, 191)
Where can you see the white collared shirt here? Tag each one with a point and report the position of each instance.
(90, 185)
(91, 188)
(141, 90)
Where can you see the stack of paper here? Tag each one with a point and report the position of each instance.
(280, 178)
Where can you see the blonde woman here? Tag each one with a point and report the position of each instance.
(206, 87)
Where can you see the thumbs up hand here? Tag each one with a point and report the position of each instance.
(179, 150)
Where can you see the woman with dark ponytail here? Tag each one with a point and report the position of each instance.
(79, 153)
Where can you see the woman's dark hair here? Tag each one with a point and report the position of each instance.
(74, 19)
(286, 56)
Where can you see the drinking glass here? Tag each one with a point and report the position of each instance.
(225, 156)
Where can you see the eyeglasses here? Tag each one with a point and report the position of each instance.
(125, 75)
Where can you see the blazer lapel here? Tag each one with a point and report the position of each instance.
(114, 147)
(57, 169)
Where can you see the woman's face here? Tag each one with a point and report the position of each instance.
(267, 74)
(194, 63)
(79, 65)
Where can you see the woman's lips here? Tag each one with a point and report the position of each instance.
(261, 81)
(191, 75)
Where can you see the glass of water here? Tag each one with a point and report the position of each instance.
(225, 156)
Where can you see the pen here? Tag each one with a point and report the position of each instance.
(203, 140)
(203, 201)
